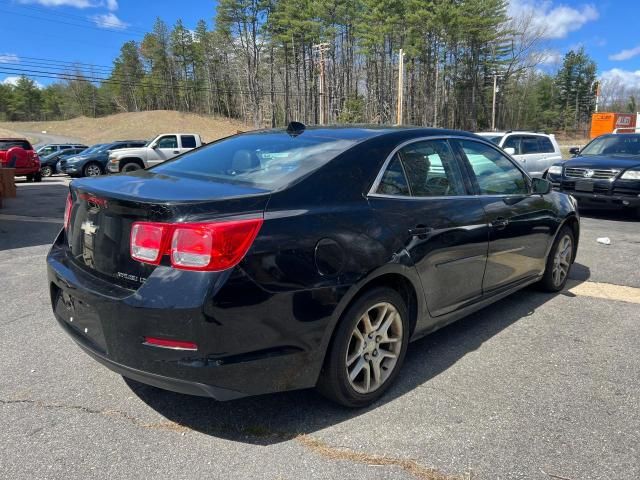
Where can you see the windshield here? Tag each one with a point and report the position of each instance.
(96, 148)
(623, 145)
(263, 160)
(494, 138)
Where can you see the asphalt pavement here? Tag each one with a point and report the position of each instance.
(537, 386)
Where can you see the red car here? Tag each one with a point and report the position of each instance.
(19, 154)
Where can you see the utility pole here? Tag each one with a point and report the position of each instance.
(399, 113)
(493, 108)
(322, 48)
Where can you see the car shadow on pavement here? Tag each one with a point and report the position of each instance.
(269, 419)
(618, 215)
(45, 202)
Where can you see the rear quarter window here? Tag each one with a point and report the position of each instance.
(265, 160)
(188, 141)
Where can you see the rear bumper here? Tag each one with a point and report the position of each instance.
(249, 341)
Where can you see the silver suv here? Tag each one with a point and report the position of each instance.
(536, 152)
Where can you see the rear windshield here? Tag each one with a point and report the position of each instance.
(263, 160)
(7, 144)
(622, 145)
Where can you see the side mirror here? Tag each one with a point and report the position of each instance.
(510, 150)
(574, 150)
(540, 186)
(155, 146)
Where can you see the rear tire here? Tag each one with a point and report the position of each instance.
(559, 261)
(367, 349)
(37, 177)
(130, 167)
(92, 170)
(30, 178)
(46, 171)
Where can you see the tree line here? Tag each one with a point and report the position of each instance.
(268, 62)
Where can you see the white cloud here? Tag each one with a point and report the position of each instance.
(554, 21)
(13, 80)
(9, 58)
(630, 79)
(61, 3)
(551, 57)
(109, 21)
(112, 5)
(626, 54)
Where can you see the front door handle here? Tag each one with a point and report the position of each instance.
(420, 231)
(176, 151)
(500, 223)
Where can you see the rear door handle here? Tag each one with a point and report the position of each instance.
(500, 223)
(420, 231)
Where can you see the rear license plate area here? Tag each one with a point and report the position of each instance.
(82, 318)
(584, 186)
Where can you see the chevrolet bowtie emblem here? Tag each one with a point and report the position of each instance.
(89, 228)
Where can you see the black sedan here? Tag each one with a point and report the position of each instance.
(603, 175)
(287, 259)
(49, 162)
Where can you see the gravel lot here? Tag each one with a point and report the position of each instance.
(536, 386)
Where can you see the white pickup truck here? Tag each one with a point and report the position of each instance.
(158, 150)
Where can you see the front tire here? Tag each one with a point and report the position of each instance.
(92, 170)
(46, 171)
(130, 167)
(367, 349)
(559, 261)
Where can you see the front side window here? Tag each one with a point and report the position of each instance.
(169, 141)
(494, 172)
(513, 141)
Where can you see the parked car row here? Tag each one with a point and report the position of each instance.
(114, 157)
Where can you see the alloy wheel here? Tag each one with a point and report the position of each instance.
(46, 171)
(92, 170)
(562, 260)
(374, 348)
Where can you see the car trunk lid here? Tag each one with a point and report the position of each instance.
(104, 209)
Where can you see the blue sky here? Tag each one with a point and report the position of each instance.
(92, 31)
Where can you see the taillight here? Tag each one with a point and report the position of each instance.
(147, 242)
(212, 246)
(67, 212)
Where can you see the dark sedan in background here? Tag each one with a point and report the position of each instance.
(603, 175)
(48, 164)
(93, 161)
(279, 260)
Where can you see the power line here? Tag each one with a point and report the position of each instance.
(91, 27)
(79, 18)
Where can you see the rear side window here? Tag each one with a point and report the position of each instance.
(545, 145)
(268, 160)
(494, 172)
(188, 141)
(7, 144)
(529, 145)
(431, 169)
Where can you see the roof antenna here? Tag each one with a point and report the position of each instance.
(295, 128)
